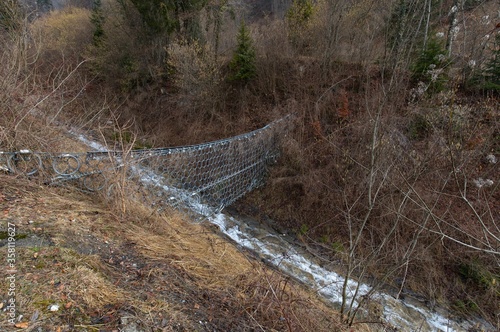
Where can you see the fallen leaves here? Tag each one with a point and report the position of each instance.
(22, 325)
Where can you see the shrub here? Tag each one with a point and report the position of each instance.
(10, 13)
(194, 71)
(477, 274)
(419, 127)
(298, 17)
(67, 31)
(119, 53)
(63, 37)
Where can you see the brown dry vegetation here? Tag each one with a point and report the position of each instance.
(368, 155)
(162, 273)
(112, 263)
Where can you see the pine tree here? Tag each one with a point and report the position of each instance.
(163, 17)
(492, 70)
(431, 66)
(97, 19)
(243, 63)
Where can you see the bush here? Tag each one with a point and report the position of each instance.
(118, 50)
(298, 17)
(419, 127)
(194, 71)
(478, 274)
(10, 14)
(97, 20)
(64, 34)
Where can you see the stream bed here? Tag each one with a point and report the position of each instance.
(408, 314)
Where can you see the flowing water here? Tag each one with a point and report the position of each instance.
(276, 249)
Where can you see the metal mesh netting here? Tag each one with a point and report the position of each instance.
(205, 177)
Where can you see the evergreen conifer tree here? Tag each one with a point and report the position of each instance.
(431, 66)
(492, 70)
(242, 64)
(97, 19)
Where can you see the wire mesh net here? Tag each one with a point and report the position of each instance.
(203, 178)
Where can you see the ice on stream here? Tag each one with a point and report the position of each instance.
(403, 315)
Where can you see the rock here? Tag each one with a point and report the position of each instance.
(35, 315)
(128, 325)
(54, 307)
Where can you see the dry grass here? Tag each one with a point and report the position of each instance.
(99, 266)
(221, 269)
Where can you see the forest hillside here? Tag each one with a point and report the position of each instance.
(390, 172)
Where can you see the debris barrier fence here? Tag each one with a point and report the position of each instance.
(213, 175)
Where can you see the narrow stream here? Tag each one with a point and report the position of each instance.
(404, 315)
(407, 315)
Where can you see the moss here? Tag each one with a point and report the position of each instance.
(40, 265)
(5, 235)
(465, 306)
(129, 137)
(324, 238)
(338, 246)
(303, 229)
(42, 304)
(477, 274)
